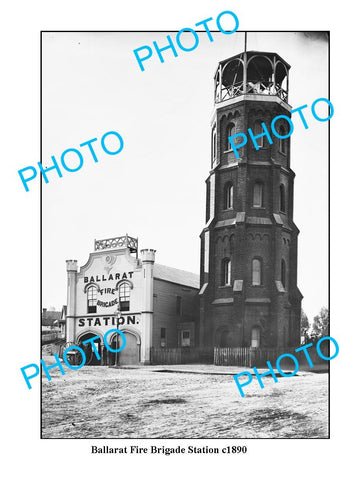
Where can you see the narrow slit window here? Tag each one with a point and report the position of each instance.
(214, 144)
(258, 195)
(283, 273)
(282, 199)
(229, 196)
(258, 130)
(226, 272)
(230, 133)
(282, 141)
(256, 272)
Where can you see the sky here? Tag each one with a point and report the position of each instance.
(154, 189)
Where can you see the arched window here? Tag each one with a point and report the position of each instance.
(258, 194)
(259, 130)
(282, 141)
(229, 196)
(255, 337)
(282, 199)
(92, 300)
(124, 297)
(283, 273)
(226, 272)
(256, 274)
(207, 206)
(230, 133)
(214, 143)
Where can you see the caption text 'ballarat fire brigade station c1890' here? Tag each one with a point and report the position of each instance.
(247, 294)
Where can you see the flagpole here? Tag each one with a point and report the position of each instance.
(245, 64)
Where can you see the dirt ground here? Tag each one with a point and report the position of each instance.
(102, 402)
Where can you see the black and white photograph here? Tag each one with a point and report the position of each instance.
(219, 151)
(170, 193)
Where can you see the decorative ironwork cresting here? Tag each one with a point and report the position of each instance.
(117, 242)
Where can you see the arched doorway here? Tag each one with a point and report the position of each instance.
(222, 337)
(130, 355)
(91, 358)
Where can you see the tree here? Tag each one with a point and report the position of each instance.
(320, 327)
(304, 323)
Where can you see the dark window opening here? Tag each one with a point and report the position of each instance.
(260, 133)
(207, 216)
(230, 133)
(226, 272)
(229, 196)
(283, 273)
(282, 199)
(214, 144)
(282, 141)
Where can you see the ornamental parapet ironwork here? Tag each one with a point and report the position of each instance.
(259, 88)
(117, 242)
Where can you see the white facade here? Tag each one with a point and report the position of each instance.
(114, 289)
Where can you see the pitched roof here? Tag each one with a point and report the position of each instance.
(175, 275)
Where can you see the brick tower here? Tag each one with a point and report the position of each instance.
(249, 294)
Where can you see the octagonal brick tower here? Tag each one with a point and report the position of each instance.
(249, 294)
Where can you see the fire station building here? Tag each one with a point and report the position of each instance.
(248, 294)
(121, 288)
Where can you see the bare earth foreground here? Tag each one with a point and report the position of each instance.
(102, 402)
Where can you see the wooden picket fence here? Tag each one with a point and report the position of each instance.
(177, 356)
(245, 356)
(258, 357)
(233, 356)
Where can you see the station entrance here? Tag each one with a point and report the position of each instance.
(130, 355)
(91, 358)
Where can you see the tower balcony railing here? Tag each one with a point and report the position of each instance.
(258, 88)
(231, 91)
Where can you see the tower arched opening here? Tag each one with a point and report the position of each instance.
(281, 80)
(260, 75)
(232, 79)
